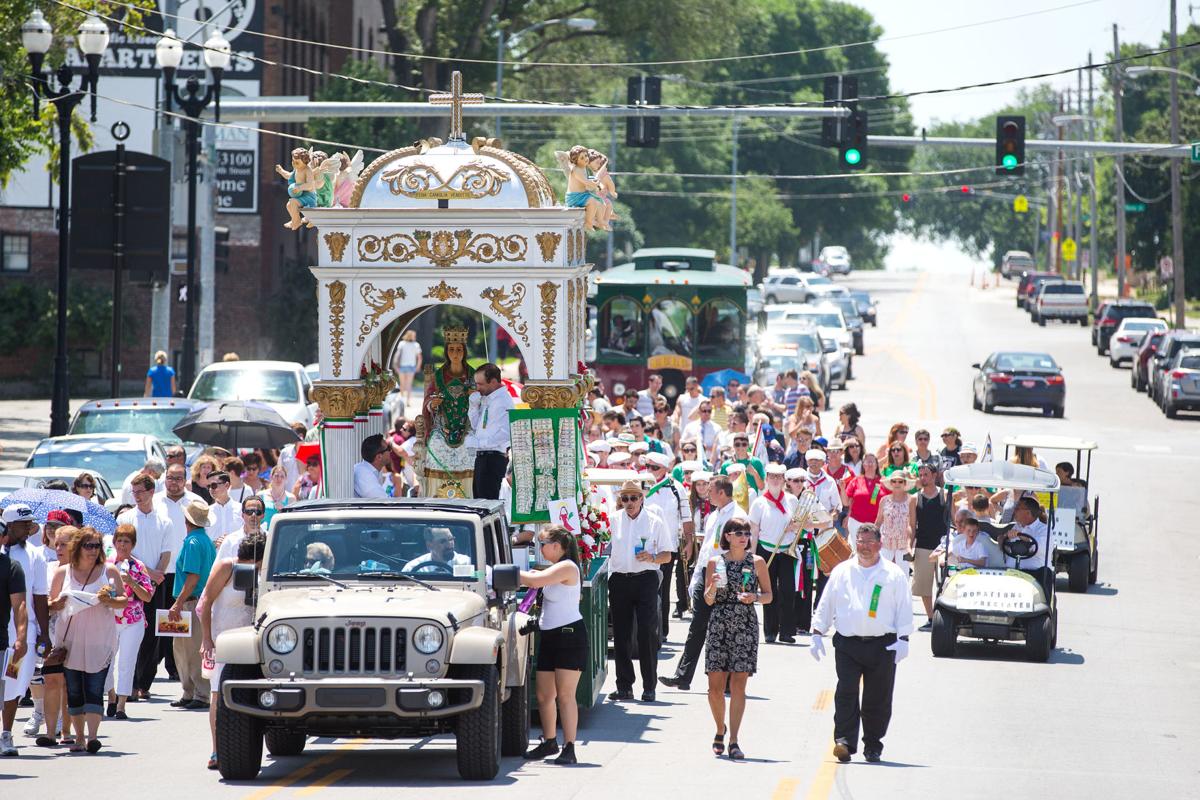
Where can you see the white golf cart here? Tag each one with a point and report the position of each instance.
(1077, 547)
(997, 603)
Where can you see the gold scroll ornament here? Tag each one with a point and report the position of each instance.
(337, 241)
(377, 391)
(443, 248)
(549, 291)
(508, 305)
(380, 301)
(548, 241)
(339, 400)
(443, 292)
(419, 181)
(337, 319)
(557, 394)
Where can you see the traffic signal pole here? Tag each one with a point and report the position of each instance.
(1093, 245)
(1176, 193)
(1119, 167)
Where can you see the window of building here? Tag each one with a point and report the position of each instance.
(14, 252)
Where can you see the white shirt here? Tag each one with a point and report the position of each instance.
(1041, 534)
(712, 538)
(489, 420)
(154, 533)
(685, 404)
(37, 582)
(457, 558)
(174, 511)
(406, 353)
(704, 432)
(226, 518)
(771, 521)
(368, 481)
(826, 490)
(674, 512)
(845, 603)
(127, 498)
(975, 551)
(628, 532)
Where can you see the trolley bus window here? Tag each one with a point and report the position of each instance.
(621, 328)
(719, 331)
(670, 329)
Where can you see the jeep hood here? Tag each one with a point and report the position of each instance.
(376, 601)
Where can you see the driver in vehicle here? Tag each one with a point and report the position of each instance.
(1030, 520)
(440, 543)
(318, 558)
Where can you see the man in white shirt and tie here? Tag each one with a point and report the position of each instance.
(488, 412)
(770, 518)
(368, 475)
(867, 602)
(640, 543)
(721, 495)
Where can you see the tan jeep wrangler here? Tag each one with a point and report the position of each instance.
(378, 619)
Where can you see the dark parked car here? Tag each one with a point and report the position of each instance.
(1025, 380)
(1110, 315)
(1028, 285)
(1171, 344)
(1182, 383)
(1141, 360)
(866, 306)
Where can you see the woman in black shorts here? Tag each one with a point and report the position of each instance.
(563, 652)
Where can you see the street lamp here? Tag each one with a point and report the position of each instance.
(1136, 72)
(168, 52)
(92, 38)
(503, 41)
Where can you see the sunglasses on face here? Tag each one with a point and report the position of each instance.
(91, 545)
(175, 455)
(741, 443)
(901, 430)
(253, 512)
(629, 498)
(897, 450)
(87, 486)
(741, 534)
(706, 411)
(689, 449)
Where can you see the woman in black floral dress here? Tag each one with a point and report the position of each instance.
(731, 646)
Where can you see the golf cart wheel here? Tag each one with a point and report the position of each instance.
(1038, 638)
(944, 637)
(1077, 572)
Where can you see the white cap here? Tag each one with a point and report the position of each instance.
(776, 469)
(661, 459)
(815, 453)
(690, 466)
(734, 467)
(18, 512)
(639, 447)
(701, 475)
(619, 457)
(614, 441)
(969, 447)
(795, 473)
(599, 446)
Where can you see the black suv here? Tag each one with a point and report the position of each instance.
(1110, 316)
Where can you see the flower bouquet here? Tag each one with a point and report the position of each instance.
(594, 530)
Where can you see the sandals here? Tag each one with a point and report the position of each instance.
(735, 752)
(718, 745)
(94, 746)
(46, 741)
(212, 761)
(78, 748)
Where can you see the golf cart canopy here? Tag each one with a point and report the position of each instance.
(1044, 442)
(1002, 475)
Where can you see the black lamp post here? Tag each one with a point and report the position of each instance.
(37, 36)
(169, 52)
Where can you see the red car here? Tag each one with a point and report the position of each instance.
(1140, 365)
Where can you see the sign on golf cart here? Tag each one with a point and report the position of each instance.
(1063, 532)
(994, 590)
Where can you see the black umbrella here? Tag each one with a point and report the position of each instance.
(235, 424)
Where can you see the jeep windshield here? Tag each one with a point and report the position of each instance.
(367, 548)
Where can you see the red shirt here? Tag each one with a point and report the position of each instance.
(864, 495)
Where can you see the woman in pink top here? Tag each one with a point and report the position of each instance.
(131, 620)
(897, 519)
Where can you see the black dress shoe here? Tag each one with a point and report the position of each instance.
(197, 705)
(770, 639)
(181, 702)
(621, 694)
(545, 749)
(111, 710)
(842, 751)
(648, 696)
(675, 683)
(872, 755)
(788, 639)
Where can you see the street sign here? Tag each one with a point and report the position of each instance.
(1021, 204)
(1135, 207)
(1166, 267)
(1196, 153)
(1068, 249)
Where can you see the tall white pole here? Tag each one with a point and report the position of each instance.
(1119, 167)
(733, 198)
(1176, 193)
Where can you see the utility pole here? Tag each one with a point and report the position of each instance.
(1176, 194)
(1077, 172)
(1119, 166)
(1093, 251)
(733, 199)
(612, 167)
(1057, 215)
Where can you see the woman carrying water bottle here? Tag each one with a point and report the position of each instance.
(563, 652)
(735, 580)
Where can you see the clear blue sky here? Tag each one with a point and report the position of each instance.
(1040, 43)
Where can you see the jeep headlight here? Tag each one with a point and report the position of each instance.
(427, 639)
(282, 639)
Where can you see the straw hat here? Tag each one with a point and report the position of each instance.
(634, 487)
(198, 513)
(900, 476)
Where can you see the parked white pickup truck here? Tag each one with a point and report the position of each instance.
(1061, 300)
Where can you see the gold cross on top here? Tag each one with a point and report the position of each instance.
(455, 98)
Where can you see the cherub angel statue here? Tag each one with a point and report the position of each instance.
(303, 182)
(347, 175)
(598, 164)
(582, 191)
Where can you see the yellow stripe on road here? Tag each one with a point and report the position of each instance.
(824, 697)
(786, 790)
(323, 781)
(822, 785)
(300, 773)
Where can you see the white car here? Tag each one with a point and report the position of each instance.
(13, 479)
(834, 260)
(282, 385)
(113, 455)
(835, 360)
(832, 324)
(1126, 339)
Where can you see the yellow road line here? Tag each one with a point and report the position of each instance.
(323, 781)
(786, 789)
(824, 698)
(301, 772)
(822, 785)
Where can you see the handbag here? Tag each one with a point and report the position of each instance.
(58, 654)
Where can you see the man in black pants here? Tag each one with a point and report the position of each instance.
(640, 543)
(669, 497)
(868, 603)
(488, 412)
(722, 497)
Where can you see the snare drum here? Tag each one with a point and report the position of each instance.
(832, 550)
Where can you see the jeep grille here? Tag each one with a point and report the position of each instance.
(354, 651)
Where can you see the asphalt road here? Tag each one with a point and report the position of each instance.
(1115, 712)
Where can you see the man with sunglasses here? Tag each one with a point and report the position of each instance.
(686, 403)
(703, 430)
(640, 544)
(253, 511)
(741, 455)
(368, 473)
(19, 524)
(155, 533)
(669, 498)
(226, 512)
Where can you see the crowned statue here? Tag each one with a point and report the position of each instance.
(445, 463)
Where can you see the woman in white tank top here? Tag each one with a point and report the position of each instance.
(563, 650)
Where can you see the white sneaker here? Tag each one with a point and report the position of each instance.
(35, 723)
(7, 748)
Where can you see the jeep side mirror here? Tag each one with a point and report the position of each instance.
(243, 580)
(506, 578)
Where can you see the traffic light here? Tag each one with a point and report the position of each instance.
(643, 90)
(908, 199)
(852, 153)
(839, 90)
(1010, 145)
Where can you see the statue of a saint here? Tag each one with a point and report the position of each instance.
(447, 465)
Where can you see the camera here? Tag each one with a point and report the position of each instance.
(532, 624)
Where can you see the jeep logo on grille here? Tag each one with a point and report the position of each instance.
(356, 623)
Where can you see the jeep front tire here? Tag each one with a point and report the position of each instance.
(285, 742)
(478, 732)
(514, 732)
(239, 736)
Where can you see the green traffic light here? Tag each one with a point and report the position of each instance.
(853, 156)
(1009, 161)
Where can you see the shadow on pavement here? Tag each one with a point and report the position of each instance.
(1011, 652)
